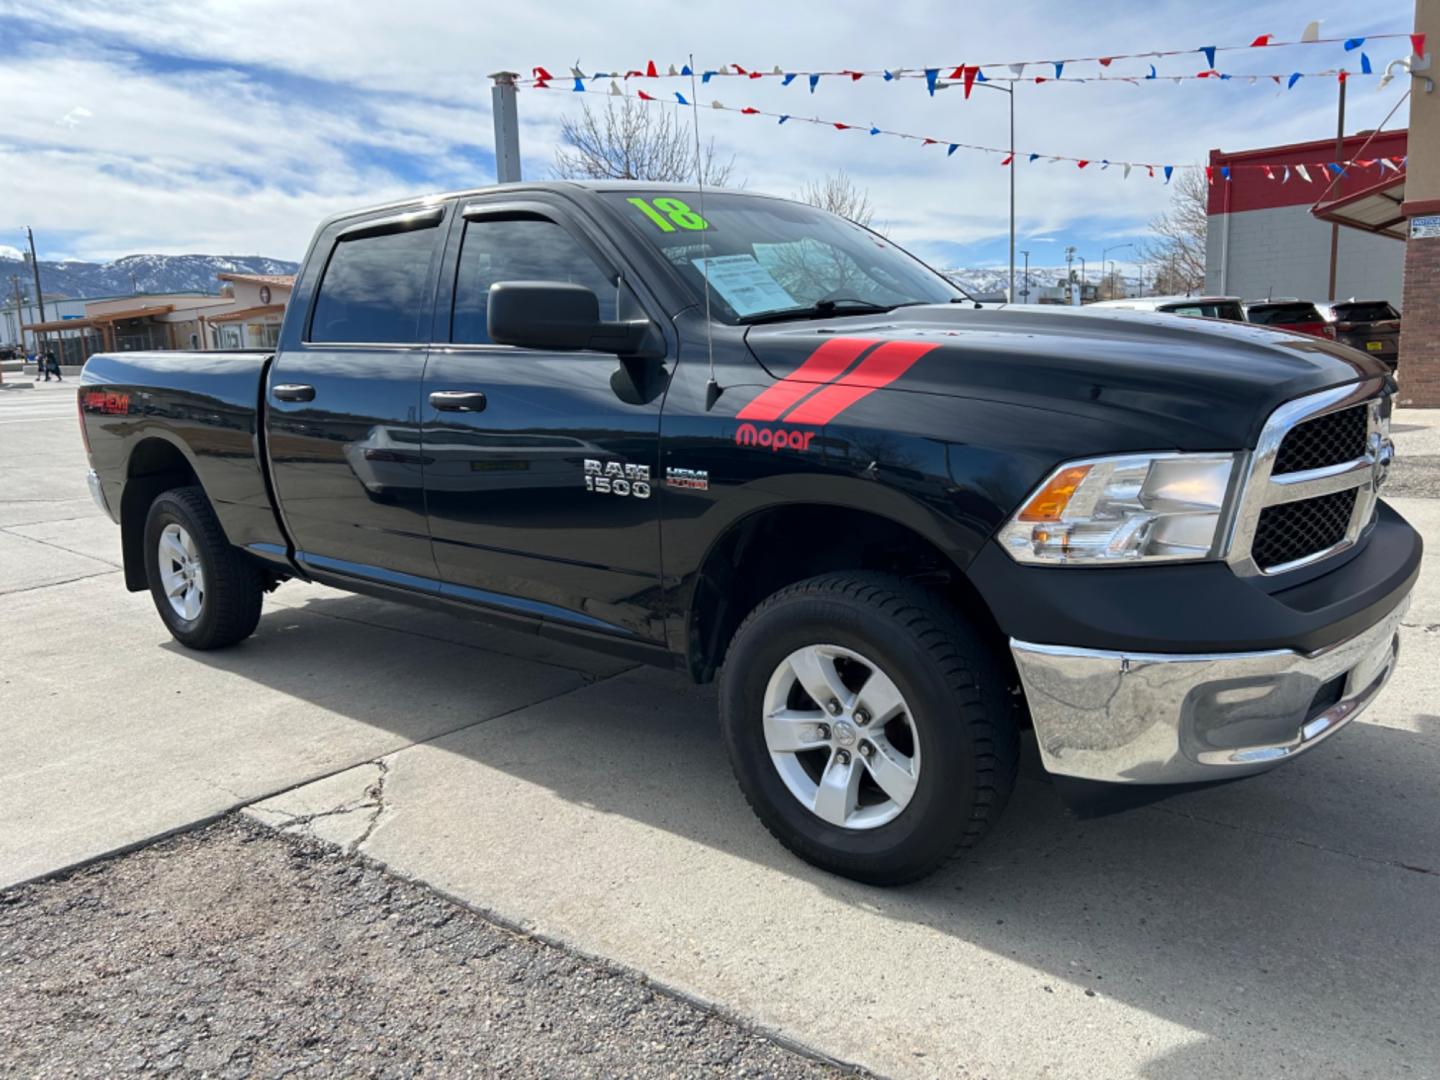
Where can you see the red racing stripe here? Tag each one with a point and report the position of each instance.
(881, 368)
(822, 365)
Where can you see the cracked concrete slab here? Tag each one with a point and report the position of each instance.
(1252, 929)
(341, 810)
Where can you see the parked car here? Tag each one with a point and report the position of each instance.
(1370, 325)
(761, 443)
(1301, 316)
(1205, 307)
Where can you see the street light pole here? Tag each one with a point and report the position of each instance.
(1025, 278)
(1103, 253)
(1010, 91)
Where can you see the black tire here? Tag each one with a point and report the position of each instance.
(233, 586)
(951, 679)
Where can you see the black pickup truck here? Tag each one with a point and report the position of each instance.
(735, 435)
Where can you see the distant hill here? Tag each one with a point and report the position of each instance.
(135, 273)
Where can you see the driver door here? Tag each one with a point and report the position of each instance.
(540, 478)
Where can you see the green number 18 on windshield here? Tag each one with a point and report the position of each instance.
(668, 214)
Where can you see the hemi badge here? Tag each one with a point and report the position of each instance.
(694, 479)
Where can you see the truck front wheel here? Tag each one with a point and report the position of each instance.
(870, 725)
(207, 593)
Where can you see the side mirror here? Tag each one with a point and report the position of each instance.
(558, 315)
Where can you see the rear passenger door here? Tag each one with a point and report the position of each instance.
(522, 513)
(343, 400)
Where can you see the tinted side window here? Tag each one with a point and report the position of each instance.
(375, 289)
(519, 249)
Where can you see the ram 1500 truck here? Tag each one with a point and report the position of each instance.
(738, 436)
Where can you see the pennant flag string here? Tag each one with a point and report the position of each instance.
(1008, 156)
(1016, 67)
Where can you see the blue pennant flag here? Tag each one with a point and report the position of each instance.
(980, 76)
(1354, 43)
(1293, 80)
(680, 98)
(789, 78)
(1209, 51)
(874, 130)
(1059, 67)
(1168, 170)
(685, 70)
(1225, 171)
(1034, 157)
(931, 74)
(1224, 77)
(784, 117)
(579, 87)
(889, 77)
(953, 148)
(1335, 168)
(1152, 72)
(1365, 68)
(705, 76)
(814, 82)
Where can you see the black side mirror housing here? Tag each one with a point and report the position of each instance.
(558, 315)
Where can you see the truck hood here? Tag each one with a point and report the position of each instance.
(1196, 383)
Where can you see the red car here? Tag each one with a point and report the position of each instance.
(1299, 315)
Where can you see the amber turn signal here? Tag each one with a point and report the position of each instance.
(1048, 504)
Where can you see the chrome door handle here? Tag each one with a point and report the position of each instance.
(294, 392)
(458, 401)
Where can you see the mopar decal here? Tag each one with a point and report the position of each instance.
(825, 385)
(615, 478)
(773, 438)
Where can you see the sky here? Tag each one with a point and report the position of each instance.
(179, 126)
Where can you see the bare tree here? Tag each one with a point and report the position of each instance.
(632, 141)
(840, 195)
(1178, 247)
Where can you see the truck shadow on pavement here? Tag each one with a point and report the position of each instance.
(1286, 922)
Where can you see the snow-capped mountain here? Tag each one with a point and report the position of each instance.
(134, 274)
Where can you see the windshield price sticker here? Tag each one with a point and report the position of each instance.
(744, 284)
(669, 214)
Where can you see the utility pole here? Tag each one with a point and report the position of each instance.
(507, 127)
(1025, 281)
(39, 296)
(1070, 275)
(1334, 226)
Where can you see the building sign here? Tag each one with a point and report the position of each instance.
(1425, 228)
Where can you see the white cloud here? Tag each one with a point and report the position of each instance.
(199, 159)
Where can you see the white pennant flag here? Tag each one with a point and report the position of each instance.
(1127, 171)
(777, 71)
(1017, 69)
(672, 72)
(1303, 174)
(900, 73)
(717, 104)
(1312, 32)
(577, 73)
(1286, 178)
(614, 88)
(1386, 163)
(1252, 80)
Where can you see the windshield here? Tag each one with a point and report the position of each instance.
(768, 256)
(1365, 311)
(1223, 309)
(1284, 314)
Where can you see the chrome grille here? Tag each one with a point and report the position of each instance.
(1311, 487)
(1291, 531)
(1327, 440)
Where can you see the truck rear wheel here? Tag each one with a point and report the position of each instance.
(207, 593)
(869, 725)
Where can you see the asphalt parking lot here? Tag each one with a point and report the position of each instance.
(1283, 925)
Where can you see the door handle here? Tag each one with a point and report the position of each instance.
(294, 392)
(458, 401)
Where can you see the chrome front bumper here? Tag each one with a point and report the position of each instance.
(1157, 718)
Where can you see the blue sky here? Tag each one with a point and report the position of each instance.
(172, 126)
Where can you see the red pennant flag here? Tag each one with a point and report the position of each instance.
(1209, 175)
(928, 142)
(957, 74)
(839, 126)
(970, 73)
(749, 111)
(1269, 173)
(542, 74)
(634, 74)
(1204, 74)
(1039, 79)
(541, 84)
(644, 96)
(1105, 61)
(739, 70)
(1343, 75)
(1082, 163)
(1417, 44)
(855, 76)
(1261, 41)
(1151, 169)
(1008, 159)
(753, 74)
(650, 72)
(1365, 164)
(1276, 78)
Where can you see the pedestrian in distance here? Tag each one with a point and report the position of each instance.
(52, 366)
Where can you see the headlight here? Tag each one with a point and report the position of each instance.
(1114, 511)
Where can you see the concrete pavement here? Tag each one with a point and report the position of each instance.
(1283, 924)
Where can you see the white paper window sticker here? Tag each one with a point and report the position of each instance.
(745, 285)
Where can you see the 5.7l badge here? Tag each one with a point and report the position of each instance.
(617, 478)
